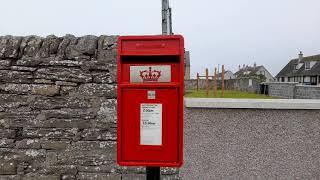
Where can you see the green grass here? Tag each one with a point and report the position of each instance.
(227, 94)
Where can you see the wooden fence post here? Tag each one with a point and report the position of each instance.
(222, 81)
(197, 81)
(207, 82)
(215, 82)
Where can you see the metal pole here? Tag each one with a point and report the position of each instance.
(153, 173)
(165, 6)
(170, 21)
(166, 18)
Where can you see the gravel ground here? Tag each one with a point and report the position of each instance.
(251, 144)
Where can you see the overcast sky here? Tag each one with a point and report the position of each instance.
(230, 32)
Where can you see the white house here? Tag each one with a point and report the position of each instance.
(304, 70)
(255, 71)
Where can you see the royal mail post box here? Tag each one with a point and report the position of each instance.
(150, 101)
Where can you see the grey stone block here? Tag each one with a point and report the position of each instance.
(46, 90)
(9, 46)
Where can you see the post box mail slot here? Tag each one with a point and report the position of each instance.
(150, 101)
(159, 46)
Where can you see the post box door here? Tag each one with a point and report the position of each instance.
(157, 139)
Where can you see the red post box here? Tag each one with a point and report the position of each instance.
(150, 101)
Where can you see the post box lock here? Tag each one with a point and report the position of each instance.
(150, 101)
(151, 94)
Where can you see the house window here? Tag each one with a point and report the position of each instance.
(306, 79)
(307, 64)
(289, 79)
(299, 79)
(313, 80)
(282, 79)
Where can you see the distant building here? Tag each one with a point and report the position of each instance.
(304, 70)
(259, 72)
(187, 65)
(227, 75)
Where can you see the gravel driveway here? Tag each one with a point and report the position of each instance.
(251, 144)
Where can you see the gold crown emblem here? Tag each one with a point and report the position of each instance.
(150, 75)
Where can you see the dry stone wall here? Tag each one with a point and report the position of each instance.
(58, 109)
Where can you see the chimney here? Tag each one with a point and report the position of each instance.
(300, 57)
(254, 64)
(239, 67)
(243, 66)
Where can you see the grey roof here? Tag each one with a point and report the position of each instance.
(225, 72)
(290, 71)
(252, 71)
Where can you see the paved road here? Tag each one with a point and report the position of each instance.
(251, 144)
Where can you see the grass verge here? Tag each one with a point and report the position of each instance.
(227, 94)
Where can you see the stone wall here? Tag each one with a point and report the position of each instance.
(292, 90)
(191, 84)
(307, 92)
(282, 90)
(243, 84)
(230, 84)
(58, 109)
